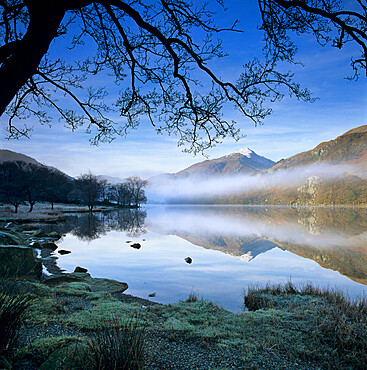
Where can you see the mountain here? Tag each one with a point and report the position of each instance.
(243, 161)
(8, 155)
(349, 188)
(183, 186)
(111, 179)
(347, 149)
(245, 249)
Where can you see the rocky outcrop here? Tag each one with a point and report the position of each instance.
(93, 284)
(19, 262)
(10, 237)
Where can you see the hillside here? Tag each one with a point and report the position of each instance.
(8, 155)
(347, 152)
(347, 149)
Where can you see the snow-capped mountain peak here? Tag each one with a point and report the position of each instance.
(253, 157)
(247, 152)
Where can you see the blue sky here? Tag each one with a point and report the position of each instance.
(292, 128)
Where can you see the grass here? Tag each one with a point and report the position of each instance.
(116, 346)
(332, 326)
(305, 325)
(41, 349)
(13, 305)
(193, 297)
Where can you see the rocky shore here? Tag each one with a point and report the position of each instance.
(285, 329)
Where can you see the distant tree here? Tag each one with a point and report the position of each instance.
(34, 180)
(56, 186)
(11, 184)
(352, 195)
(22, 182)
(136, 187)
(90, 189)
(124, 195)
(27, 182)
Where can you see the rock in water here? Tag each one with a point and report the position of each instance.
(152, 294)
(63, 251)
(188, 260)
(136, 245)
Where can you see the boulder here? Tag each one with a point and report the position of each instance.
(19, 262)
(71, 355)
(188, 260)
(39, 233)
(49, 245)
(35, 245)
(54, 280)
(106, 285)
(136, 245)
(64, 251)
(94, 284)
(11, 238)
(54, 235)
(80, 269)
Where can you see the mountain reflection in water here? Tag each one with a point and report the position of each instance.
(258, 237)
(335, 238)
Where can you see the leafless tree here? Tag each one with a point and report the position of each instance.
(328, 20)
(136, 187)
(90, 189)
(151, 49)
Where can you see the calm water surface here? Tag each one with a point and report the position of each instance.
(231, 248)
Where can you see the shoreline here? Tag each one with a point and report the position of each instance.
(43, 213)
(282, 328)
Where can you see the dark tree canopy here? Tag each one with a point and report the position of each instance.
(154, 51)
(22, 182)
(90, 189)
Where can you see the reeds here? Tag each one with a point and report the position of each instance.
(13, 304)
(114, 346)
(337, 325)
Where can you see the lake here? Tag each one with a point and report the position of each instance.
(231, 247)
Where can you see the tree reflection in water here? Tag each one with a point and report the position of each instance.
(94, 225)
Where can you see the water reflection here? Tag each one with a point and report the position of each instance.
(334, 237)
(91, 226)
(230, 247)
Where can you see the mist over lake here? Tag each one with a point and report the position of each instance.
(231, 247)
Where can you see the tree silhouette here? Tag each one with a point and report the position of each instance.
(90, 189)
(150, 48)
(136, 187)
(12, 184)
(327, 20)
